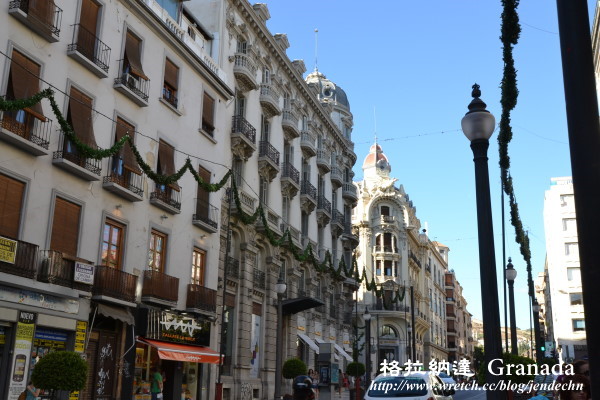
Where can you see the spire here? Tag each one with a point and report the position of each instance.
(316, 50)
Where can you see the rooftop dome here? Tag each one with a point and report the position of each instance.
(376, 158)
(328, 91)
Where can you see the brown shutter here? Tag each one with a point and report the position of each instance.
(42, 10)
(230, 300)
(208, 109)
(202, 202)
(166, 157)
(65, 227)
(11, 201)
(25, 84)
(171, 73)
(80, 109)
(132, 52)
(129, 161)
(89, 17)
(256, 308)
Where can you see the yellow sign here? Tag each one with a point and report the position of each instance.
(80, 336)
(8, 250)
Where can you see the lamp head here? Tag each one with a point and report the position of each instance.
(280, 286)
(478, 123)
(409, 329)
(536, 307)
(511, 272)
(367, 315)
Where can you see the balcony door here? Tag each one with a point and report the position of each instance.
(88, 28)
(112, 244)
(157, 251)
(202, 201)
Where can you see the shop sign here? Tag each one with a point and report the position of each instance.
(318, 328)
(2, 335)
(84, 273)
(176, 328)
(346, 337)
(301, 323)
(22, 353)
(255, 346)
(8, 250)
(388, 342)
(80, 334)
(47, 301)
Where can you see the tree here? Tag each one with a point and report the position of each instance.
(60, 370)
(293, 367)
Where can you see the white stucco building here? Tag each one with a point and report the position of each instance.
(562, 258)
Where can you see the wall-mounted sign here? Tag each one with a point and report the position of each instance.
(346, 337)
(388, 342)
(84, 273)
(176, 328)
(318, 329)
(22, 353)
(301, 323)
(36, 299)
(8, 250)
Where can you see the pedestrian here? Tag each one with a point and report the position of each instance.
(315, 382)
(346, 381)
(543, 383)
(581, 392)
(32, 392)
(339, 385)
(157, 380)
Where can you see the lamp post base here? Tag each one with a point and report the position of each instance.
(219, 391)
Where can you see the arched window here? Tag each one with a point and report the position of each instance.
(389, 331)
(385, 210)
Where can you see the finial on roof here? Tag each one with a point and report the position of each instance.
(476, 92)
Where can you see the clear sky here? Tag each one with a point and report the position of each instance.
(414, 62)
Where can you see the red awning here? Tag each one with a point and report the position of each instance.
(183, 352)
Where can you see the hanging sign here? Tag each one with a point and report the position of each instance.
(84, 273)
(8, 250)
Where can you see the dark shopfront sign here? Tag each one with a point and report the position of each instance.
(176, 328)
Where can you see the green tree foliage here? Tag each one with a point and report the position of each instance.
(293, 367)
(60, 370)
(355, 369)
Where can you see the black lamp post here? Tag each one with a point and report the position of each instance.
(478, 125)
(536, 330)
(280, 288)
(511, 275)
(409, 341)
(367, 318)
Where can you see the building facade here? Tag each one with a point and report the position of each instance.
(459, 328)
(564, 279)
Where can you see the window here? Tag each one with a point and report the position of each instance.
(576, 299)
(238, 170)
(578, 325)
(385, 210)
(285, 209)
(266, 76)
(571, 249)
(242, 46)
(157, 251)
(198, 265)
(203, 199)
(125, 163)
(282, 270)
(574, 274)
(301, 281)
(304, 123)
(569, 224)
(23, 83)
(304, 224)
(165, 165)
(240, 106)
(387, 266)
(170, 82)
(65, 227)
(87, 30)
(264, 191)
(566, 200)
(11, 203)
(80, 117)
(112, 244)
(228, 332)
(286, 101)
(172, 7)
(265, 132)
(132, 58)
(208, 114)
(389, 331)
(378, 264)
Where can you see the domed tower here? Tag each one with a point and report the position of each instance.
(376, 163)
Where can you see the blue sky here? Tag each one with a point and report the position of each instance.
(414, 62)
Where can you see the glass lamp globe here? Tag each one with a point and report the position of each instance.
(280, 287)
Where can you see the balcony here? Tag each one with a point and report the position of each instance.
(232, 268)
(289, 123)
(337, 222)
(114, 285)
(247, 202)
(68, 159)
(244, 71)
(336, 177)
(206, 217)
(383, 305)
(290, 180)
(294, 233)
(349, 238)
(323, 161)
(167, 198)
(272, 222)
(323, 211)
(59, 269)
(385, 249)
(25, 263)
(243, 138)
(123, 182)
(308, 144)
(201, 299)
(89, 51)
(44, 19)
(259, 279)
(134, 87)
(269, 100)
(308, 196)
(268, 160)
(349, 192)
(160, 288)
(333, 312)
(168, 96)
(414, 258)
(21, 129)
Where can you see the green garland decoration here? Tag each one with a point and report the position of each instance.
(511, 29)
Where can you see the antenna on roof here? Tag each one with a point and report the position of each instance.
(316, 49)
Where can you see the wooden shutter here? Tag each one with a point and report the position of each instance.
(230, 300)
(91, 352)
(171, 73)
(25, 82)
(89, 17)
(11, 201)
(42, 10)
(65, 227)
(208, 110)
(256, 308)
(80, 111)
(166, 154)
(123, 128)
(133, 55)
(203, 195)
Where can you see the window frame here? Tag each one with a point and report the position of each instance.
(198, 278)
(121, 245)
(23, 206)
(154, 234)
(574, 323)
(172, 98)
(208, 126)
(56, 194)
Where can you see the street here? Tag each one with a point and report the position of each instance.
(469, 395)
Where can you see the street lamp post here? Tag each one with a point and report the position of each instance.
(367, 318)
(511, 275)
(536, 330)
(280, 288)
(409, 347)
(478, 125)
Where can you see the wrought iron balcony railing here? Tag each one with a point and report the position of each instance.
(112, 282)
(28, 127)
(289, 171)
(68, 151)
(59, 269)
(138, 85)
(206, 213)
(232, 268)
(124, 177)
(308, 189)
(240, 125)
(169, 195)
(201, 298)
(48, 16)
(92, 48)
(324, 204)
(160, 286)
(26, 259)
(259, 279)
(267, 150)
